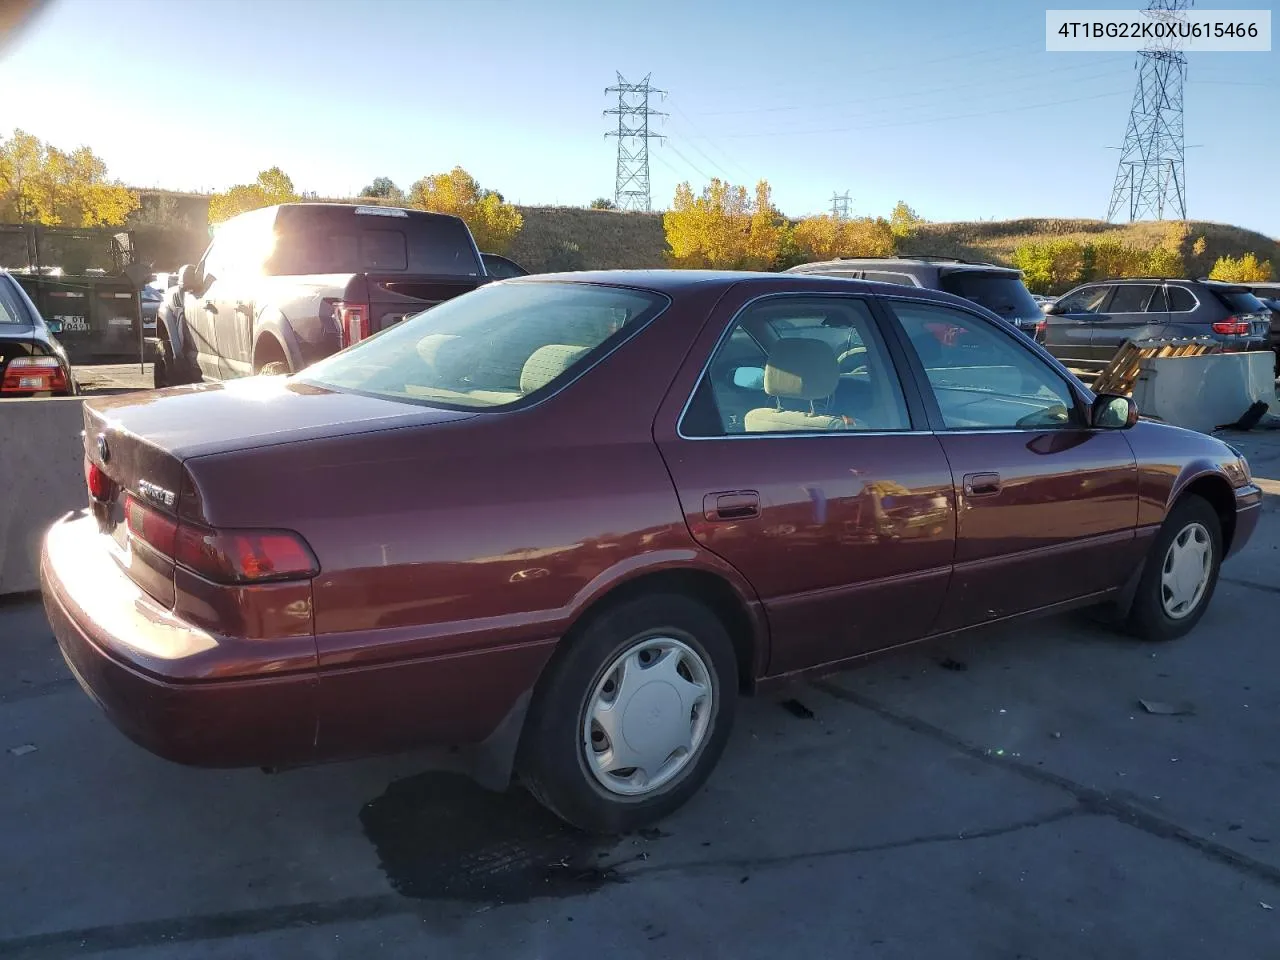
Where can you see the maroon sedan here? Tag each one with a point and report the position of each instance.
(563, 522)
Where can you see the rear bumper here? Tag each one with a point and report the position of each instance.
(135, 659)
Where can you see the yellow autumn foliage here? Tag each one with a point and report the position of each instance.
(724, 228)
(492, 221)
(42, 184)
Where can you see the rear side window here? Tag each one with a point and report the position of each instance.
(11, 311)
(1181, 300)
(883, 277)
(1240, 301)
(1131, 298)
(492, 347)
(1001, 293)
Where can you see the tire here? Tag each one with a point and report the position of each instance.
(276, 368)
(170, 370)
(1150, 618)
(553, 759)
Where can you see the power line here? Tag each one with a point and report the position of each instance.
(693, 166)
(942, 118)
(631, 183)
(1150, 175)
(698, 131)
(930, 91)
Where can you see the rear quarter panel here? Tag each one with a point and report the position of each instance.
(454, 557)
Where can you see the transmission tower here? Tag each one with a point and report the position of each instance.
(840, 206)
(1150, 179)
(631, 187)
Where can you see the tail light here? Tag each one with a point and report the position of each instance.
(1233, 327)
(34, 374)
(1042, 327)
(353, 321)
(223, 556)
(101, 487)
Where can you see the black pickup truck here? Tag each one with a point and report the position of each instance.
(284, 286)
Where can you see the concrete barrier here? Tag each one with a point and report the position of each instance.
(41, 478)
(1208, 391)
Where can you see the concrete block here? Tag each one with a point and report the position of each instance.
(41, 478)
(1207, 391)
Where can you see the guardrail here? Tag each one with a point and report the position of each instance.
(41, 478)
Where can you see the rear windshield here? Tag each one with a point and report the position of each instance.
(1239, 301)
(492, 347)
(11, 310)
(1002, 294)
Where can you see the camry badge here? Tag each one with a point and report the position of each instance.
(155, 494)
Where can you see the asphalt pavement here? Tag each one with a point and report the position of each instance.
(1001, 796)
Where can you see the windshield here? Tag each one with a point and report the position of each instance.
(1003, 294)
(492, 347)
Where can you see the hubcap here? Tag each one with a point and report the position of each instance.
(647, 717)
(1185, 573)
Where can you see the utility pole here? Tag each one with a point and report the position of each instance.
(1150, 177)
(631, 185)
(840, 206)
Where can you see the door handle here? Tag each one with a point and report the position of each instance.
(242, 307)
(731, 505)
(981, 484)
(210, 306)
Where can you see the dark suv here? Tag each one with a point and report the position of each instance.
(1089, 324)
(999, 289)
(1269, 294)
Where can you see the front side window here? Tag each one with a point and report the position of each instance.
(493, 347)
(1085, 300)
(982, 378)
(799, 365)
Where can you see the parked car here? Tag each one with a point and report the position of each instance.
(564, 521)
(32, 361)
(1091, 322)
(1269, 294)
(150, 297)
(281, 287)
(1042, 301)
(500, 268)
(999, 289)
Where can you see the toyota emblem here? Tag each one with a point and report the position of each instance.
(104, 451)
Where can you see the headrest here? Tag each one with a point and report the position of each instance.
(801, 369)
(429, 347)
(547, 363)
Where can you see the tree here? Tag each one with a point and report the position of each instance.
(603, 203)
(826, 237)
(1051, 267)
(1165, 262)
(272, 186)
(40, 183)
(1244, 269)
(904, 220)
(724, 228)
(492, 221)
(1110, 259)
(384, 188)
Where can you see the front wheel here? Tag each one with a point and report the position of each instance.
(633, 716)
(276, 368)
(1181, 572)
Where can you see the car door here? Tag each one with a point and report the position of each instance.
(1046, 506)
(1069, 328)
(233, 322)
(200, 314)
(1128, 317)
(800, 460)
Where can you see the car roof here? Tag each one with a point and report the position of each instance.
(675, 282)
(949, 264)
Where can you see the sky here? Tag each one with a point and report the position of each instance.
(955, 108)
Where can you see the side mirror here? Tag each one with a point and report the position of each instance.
(1112, 412)
(1054, 309)
(749, 378)
(187, 278)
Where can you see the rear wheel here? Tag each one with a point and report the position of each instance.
(1180, 574)
(633, 715)
(276, 368)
